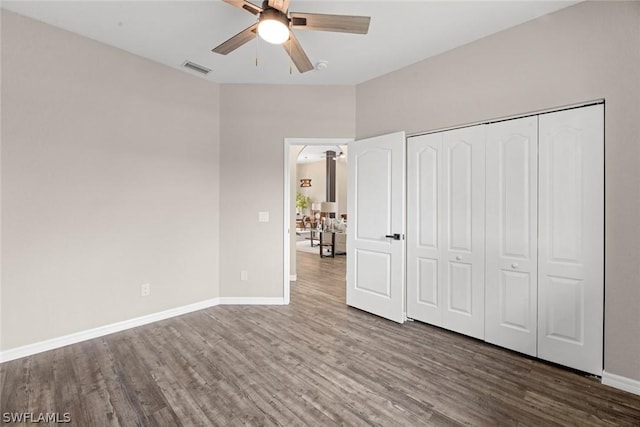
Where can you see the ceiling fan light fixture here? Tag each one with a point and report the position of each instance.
(273, 26)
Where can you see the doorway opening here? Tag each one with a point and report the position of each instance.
(300, 219)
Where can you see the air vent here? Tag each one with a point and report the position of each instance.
(196, 67)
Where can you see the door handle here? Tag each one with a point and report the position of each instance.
(393, 236)
(514, 265)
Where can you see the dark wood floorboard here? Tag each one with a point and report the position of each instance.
(315, 362)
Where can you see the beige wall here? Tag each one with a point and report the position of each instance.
(585, 52)
(255, 120)
(317, 171)
(109, 180)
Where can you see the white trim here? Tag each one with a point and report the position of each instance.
(620, 382)
(288, 142)
(53, 343)
(252, 301)
(293, 277)
(286, 218)
(504, 118)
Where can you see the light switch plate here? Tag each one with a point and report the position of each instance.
(263, 216)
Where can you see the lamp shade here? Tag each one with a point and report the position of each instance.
(316, 206)
(273, 26)
(328, 207)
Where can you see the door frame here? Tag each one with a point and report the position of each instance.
(286, 225)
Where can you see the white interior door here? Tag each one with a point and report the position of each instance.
(376, 203)
(571, 238)
(425, 231)
(445, 238)
(511, 234)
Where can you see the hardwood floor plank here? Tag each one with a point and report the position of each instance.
(126, 409)
(313, 362)
(14, 388)
(41, 384)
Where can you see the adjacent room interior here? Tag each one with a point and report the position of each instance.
(321, 200)
(186, 214)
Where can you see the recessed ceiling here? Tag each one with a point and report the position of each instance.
(316, 153)
(173, 32)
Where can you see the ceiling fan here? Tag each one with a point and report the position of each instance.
(275, 25)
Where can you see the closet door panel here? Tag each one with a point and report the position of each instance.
(459, 194)
(424, 228)
(514, 308)
(571, 241)
(511, 234)
(463, 225)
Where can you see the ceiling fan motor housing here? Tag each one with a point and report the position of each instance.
(274, 14)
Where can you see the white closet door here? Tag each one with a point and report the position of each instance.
(511, 234)
(425, 232)
(445, 244)
(463, 222)
(571, 238)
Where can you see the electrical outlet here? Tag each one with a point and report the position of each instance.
(145, 289)
(244, 275)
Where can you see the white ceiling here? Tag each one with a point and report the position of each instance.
(171, 32)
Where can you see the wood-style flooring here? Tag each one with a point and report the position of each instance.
(315, 362)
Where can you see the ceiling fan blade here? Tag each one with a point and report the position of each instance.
(322, 22)
(236, 41)
(295, 51)
(281, 5)
(243, 4)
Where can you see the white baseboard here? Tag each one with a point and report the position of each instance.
(620, 382)
(251, 301)
(53, 343)
(293, 277)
